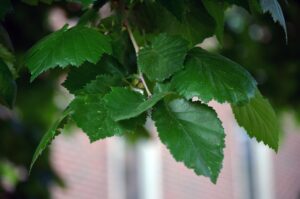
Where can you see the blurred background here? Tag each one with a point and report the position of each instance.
(127, 168)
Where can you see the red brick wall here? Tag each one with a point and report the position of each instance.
(82, 166)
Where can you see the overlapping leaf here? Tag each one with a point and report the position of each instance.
(67, 47)
(194, 26)
(164, 57)
(91, 115)
(123, 103)
(79, 77)
(190, 130)
(193, 134)
(211, 76)
(101, 85)
(259, 120)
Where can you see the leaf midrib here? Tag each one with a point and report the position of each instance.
(189, 137)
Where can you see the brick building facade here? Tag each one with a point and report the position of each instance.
(111, 169)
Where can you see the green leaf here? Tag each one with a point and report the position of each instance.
(88, 17)
(195, 25)
(254, 6)
(273, 7)
(67, 47)
(49, 136)
(101, 85)
(79, 77)
(133, 124)
(123, 103)
(163, 87)
(216, 9)
(193, 134)
(211, 76)
(8, 87)
(164, 57)
(5, 39)
(259, 120)
(140, 133)
(91, 115)
(6, 55)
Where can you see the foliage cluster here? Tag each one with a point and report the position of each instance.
(143, 61)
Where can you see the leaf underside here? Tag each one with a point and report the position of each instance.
(49, 136)
(259, 120)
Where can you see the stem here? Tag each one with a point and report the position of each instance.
(136, 48)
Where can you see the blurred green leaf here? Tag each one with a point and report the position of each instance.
(196, 24)
(49, 136)
(216, 9)
(9, 173)
(176, 7)
(8, 87)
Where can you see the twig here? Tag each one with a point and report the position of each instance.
(136, 48)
